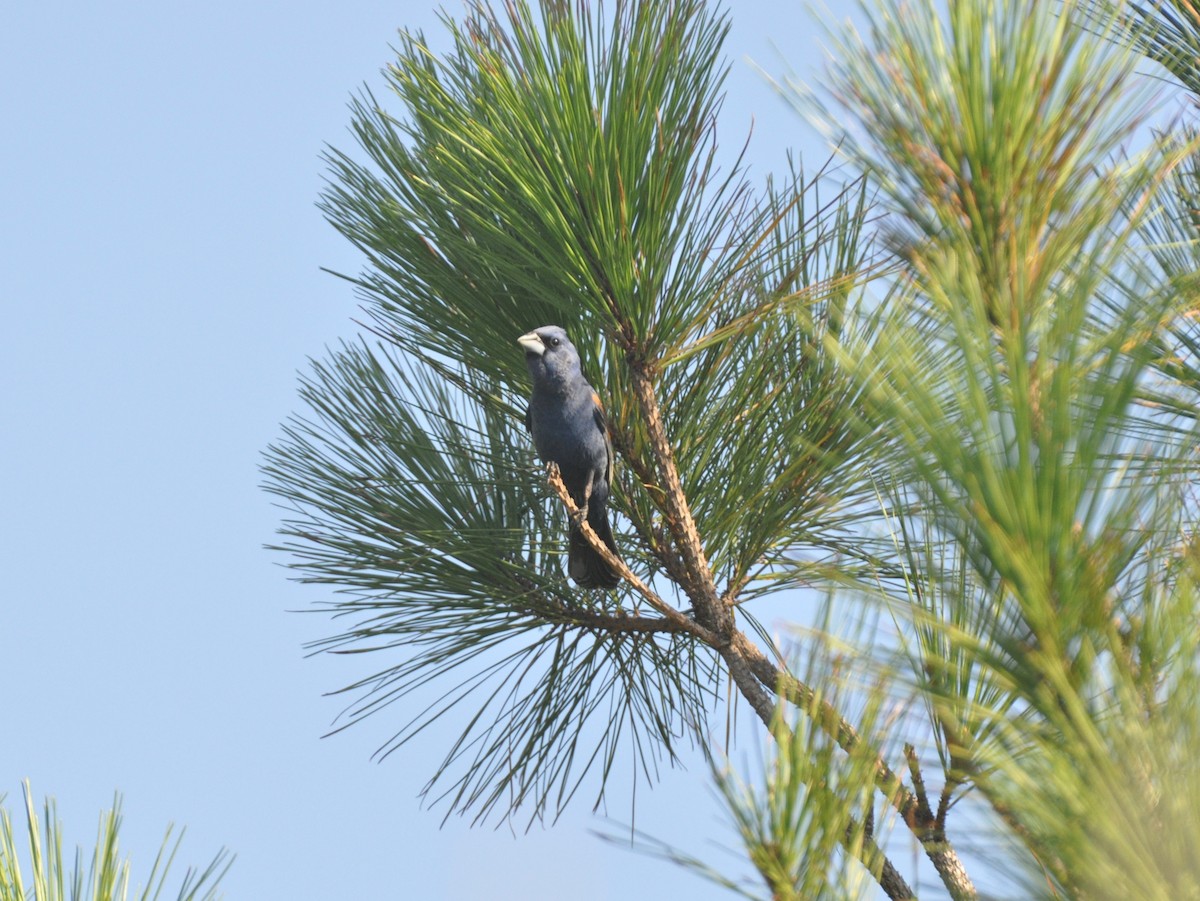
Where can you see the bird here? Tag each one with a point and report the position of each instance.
(566, 421)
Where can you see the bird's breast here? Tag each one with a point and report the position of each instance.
(566, 434)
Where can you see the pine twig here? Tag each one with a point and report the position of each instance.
(676, 618)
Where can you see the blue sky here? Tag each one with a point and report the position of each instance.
(161, 290)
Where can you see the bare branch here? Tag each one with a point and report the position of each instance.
(678, 620)
(923, 812)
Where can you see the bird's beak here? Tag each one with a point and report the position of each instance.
(532, 343)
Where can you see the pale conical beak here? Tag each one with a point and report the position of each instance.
(532, 343)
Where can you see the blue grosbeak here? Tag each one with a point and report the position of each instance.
(568, 428)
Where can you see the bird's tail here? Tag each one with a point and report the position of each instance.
(586, 566)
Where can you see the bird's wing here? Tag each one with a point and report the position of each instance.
(602, 424)
(528, 419)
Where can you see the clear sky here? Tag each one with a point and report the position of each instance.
(159, 275)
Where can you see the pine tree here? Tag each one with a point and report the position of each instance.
(965, 410)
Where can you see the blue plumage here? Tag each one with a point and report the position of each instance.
(567, 423)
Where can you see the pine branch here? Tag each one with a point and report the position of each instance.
(739, 654)
(920, 821)
(700, 586)
(756, 678)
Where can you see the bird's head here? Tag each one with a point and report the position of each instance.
(549, 354)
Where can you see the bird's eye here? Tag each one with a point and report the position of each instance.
(554, 342)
